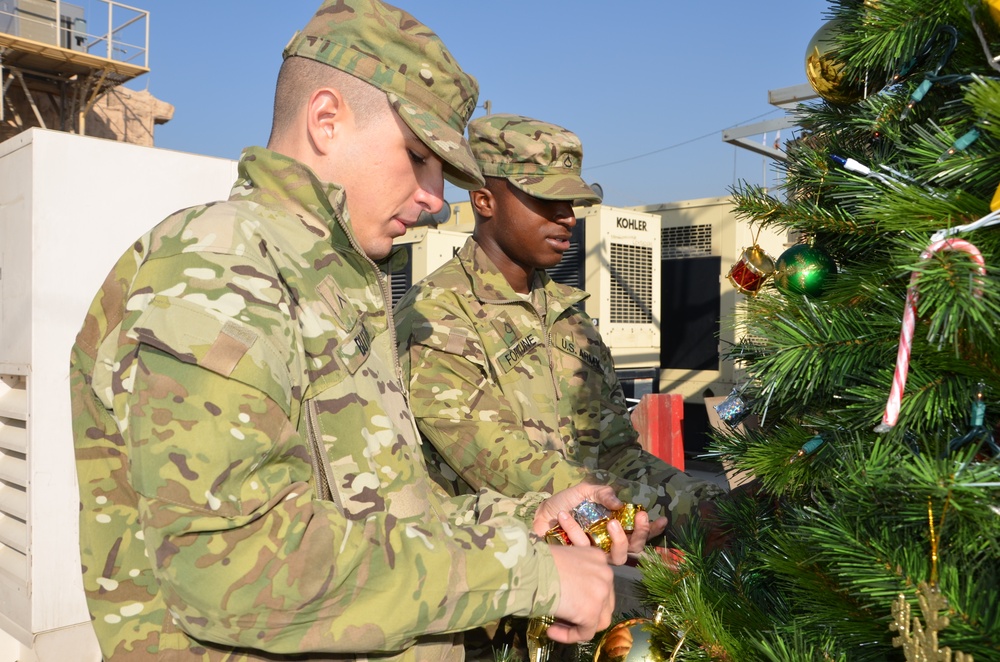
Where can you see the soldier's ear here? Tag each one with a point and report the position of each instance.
(325, 111)
(483, 202)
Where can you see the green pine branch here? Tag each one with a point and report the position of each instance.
(843, 527)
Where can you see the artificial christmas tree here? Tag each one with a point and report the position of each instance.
(868, 544)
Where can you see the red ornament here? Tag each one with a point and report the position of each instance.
(751, 270)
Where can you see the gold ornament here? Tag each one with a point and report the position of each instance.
(994, 7)
(825, 73)
(593, 518)
(626, 515)
(537, 639)
(919, 644)
(628, 640)
(639, 640)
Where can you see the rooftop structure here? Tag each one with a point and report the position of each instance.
(57, 62)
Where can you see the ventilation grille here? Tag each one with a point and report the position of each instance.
(684, 241)
(400, 281)
(14, 476)
(631, 292)
(570, 269)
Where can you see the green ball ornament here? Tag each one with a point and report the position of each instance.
(803, 269)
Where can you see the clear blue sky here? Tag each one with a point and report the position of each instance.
(632, 78)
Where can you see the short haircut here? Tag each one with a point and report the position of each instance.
(299, 77)
(494, 185)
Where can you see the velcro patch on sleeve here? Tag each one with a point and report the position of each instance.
(229, 348)
(195, 335)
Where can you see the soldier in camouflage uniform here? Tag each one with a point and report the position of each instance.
(509, 379)
(251, 480)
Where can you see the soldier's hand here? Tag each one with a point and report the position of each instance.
(547, 515)
(587, 597)
(555, 510)
(644, 531)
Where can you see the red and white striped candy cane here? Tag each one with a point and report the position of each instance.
(891, 415)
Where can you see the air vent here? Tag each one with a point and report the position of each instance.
(686, 241)
(14, 476)
(631, 284)
(570, 270)
(400, 281)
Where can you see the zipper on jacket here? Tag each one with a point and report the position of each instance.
(318, 456)
(386, 302)
(548, 351)
(391, 323)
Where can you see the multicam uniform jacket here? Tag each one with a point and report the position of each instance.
(520, 394)
(250, 476)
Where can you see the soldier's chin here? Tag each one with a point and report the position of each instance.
(551, 260)
(377, 250)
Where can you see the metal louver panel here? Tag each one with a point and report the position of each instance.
(14, 476)
(14, 402)
(14, 563)
(13, 533)
(631, 291)
(14, 468)
(400, 281)
(14, 500)
(684, 241)
(570, 270)
(13, 437)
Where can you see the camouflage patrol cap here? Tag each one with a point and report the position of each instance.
(541, 159)
(395, 52)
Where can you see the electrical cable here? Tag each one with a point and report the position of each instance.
(680, 144)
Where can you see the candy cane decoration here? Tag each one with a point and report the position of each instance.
(891, 414)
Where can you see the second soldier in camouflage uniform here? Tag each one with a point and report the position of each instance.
(251, 480)
(509, 379)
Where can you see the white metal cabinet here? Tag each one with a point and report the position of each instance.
(708, 228)
(69, 206)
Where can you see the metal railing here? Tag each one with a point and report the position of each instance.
(125, 37)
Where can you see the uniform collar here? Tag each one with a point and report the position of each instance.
(490, 286)
(273, 180)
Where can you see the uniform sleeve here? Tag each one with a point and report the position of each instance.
(244, 551)
(476, 439)
(464, 415)
(641, 477)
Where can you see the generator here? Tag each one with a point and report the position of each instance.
(426, 250)
(614, 255)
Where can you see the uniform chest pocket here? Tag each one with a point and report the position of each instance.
(337, 336)
(510, 347)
